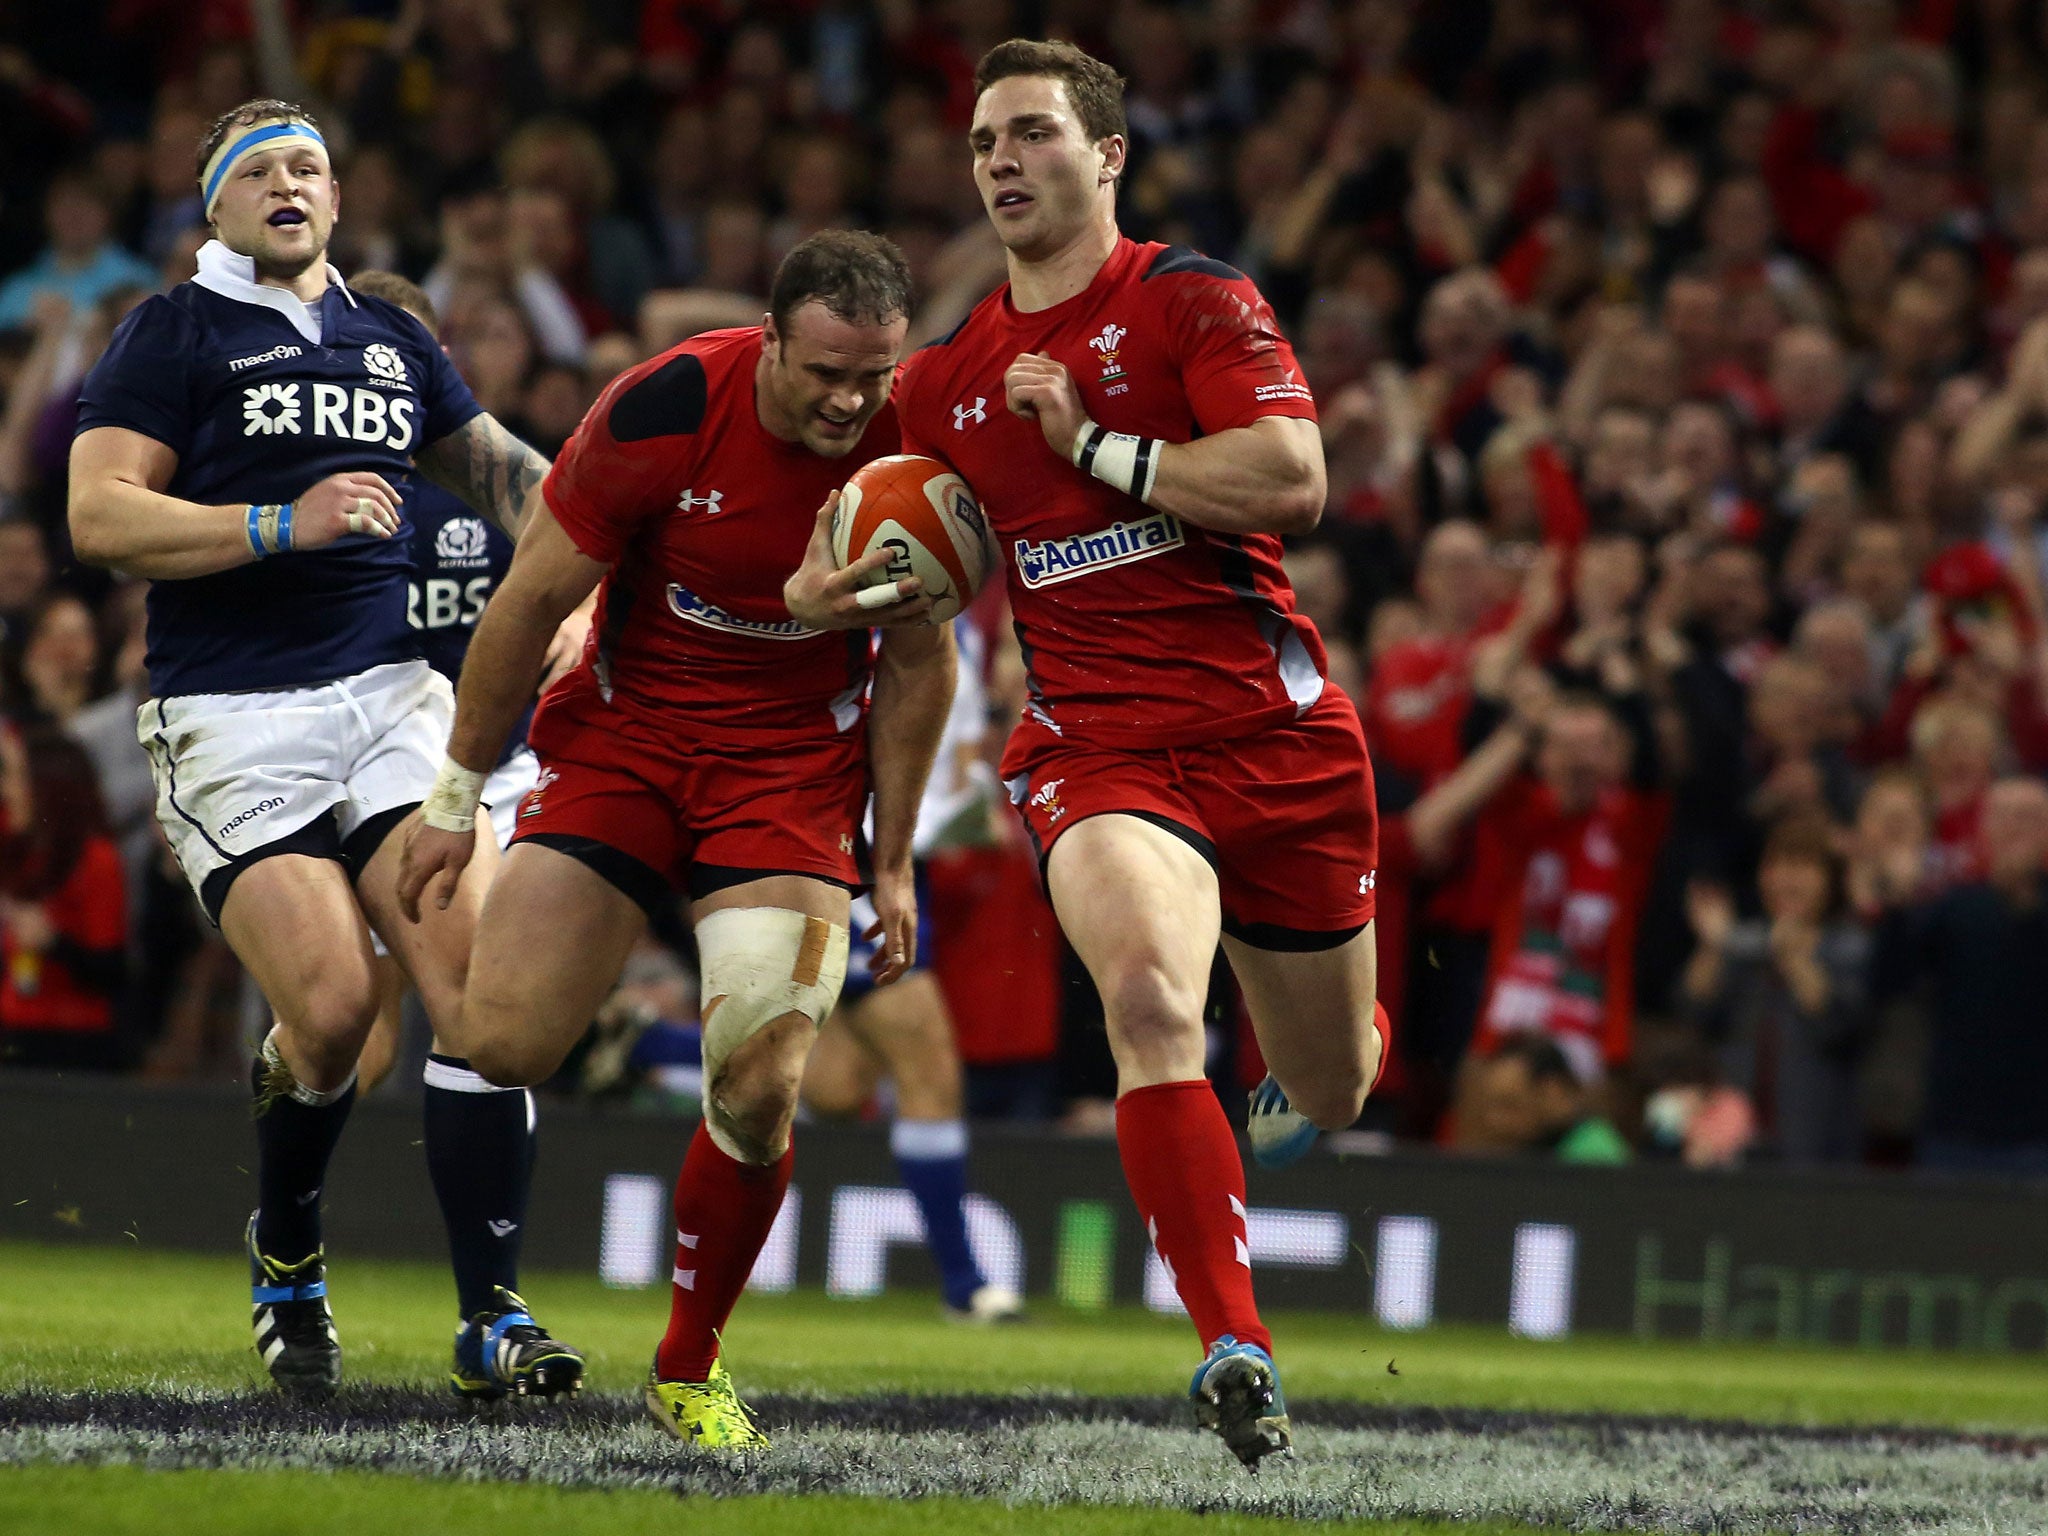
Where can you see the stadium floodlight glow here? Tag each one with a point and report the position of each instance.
(1404, 1272)
(1541, 1285)
(633, 1243)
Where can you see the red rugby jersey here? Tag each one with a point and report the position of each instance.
(702, 514)
(1138, 629)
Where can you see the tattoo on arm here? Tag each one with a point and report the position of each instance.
(487, 467)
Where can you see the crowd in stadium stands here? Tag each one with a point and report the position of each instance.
(1683, 375)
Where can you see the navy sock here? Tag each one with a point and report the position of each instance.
(480, 1141)
(931, 1159)
(294, 1140)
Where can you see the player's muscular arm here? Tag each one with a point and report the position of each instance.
(121, 517)
(1264, 478)
(549, 579)
(489, 468)
(914, 677)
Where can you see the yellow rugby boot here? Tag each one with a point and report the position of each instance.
(705, 1413)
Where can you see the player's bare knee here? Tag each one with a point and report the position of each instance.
(1148, 1011)
(506, 1060)
(327, 1023)
(1330, 1102)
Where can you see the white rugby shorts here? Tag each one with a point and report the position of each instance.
(510, 782)
(236, 772)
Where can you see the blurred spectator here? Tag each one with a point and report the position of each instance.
(51, 672)
(481, 257)
(63, 922)
(24, 571)
(81, 264)
(1525, 1097)
(1982, 949)
(1568, 850)
(1784, 999)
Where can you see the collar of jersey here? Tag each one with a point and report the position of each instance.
(233, 276)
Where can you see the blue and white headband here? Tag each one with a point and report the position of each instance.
(276, 133)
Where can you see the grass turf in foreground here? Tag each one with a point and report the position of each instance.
(79, 1317)
(1587, 1474)
(128, 1501)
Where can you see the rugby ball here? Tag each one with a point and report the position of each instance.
(924, 515)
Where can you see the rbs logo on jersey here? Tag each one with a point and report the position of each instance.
(440, 603)
(362, 415)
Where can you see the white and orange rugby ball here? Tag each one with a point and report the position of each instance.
(924, 515)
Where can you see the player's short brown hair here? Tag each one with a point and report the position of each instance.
(860, 277)
(1095, 89)
(247, 115)
(402, 291)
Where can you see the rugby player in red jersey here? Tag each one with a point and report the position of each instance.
(1138, 434)
(707, 744)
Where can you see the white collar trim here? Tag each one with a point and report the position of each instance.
(233, 276)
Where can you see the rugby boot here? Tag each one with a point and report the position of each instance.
(1237, 1394)
(294, 1329)
(705, 1413)
(1280, 1134)
(989, 1304)
(504, 1351)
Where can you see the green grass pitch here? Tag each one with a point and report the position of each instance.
(123, 1372)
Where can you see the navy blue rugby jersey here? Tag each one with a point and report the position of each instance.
(458, 559)
(262, 397)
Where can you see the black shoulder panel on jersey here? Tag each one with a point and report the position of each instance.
(667, 403)
(1180, 258)
(945, 340)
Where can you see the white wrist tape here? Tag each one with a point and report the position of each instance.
(1129, 463)
(451, 804)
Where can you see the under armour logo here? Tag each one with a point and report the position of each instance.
(846, 842)
(709, 502)
(977, 412)
(503, 1228)
(1366, 881)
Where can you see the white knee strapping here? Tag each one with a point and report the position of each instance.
(757, 964)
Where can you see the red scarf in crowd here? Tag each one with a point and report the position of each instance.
(1564, 938)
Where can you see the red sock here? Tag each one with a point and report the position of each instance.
(1384, 1028)
(1181, 1162)
(724, 1209)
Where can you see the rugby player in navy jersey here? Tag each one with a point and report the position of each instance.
(247, 444)
(458, 559)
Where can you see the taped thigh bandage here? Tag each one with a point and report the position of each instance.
(757, 964)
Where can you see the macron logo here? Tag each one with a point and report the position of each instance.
(275, 354)
(274, 803)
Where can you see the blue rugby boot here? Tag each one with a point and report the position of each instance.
(294, 1329)
(1280, 1135)
(1237, 1394)
(505, 1351)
